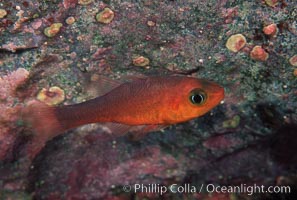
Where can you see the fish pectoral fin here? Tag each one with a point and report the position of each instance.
(138, 132)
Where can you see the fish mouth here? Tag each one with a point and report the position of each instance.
(215, 91)
(218, 95)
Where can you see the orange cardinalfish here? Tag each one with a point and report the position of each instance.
(148, 103)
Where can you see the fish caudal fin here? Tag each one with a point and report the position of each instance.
(42, 121)
(41, 118)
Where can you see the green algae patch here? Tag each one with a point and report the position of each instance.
(53, 30)
(232, 123)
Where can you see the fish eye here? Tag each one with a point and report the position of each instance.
(197, 97)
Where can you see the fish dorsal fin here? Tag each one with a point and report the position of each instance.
(99, 85)
(129, 78)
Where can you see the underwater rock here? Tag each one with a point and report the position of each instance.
(10, 110)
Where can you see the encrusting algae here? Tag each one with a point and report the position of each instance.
(272, 3)
(105, 16)
(85, 2)
(236, 42)
(270, 30)
(52, 96)
(70, 20)
(53, 29)
(295, 72)
(3, 13)
(293, 60)
(141, 61)
(259, 54)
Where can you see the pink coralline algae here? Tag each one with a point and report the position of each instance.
(259, 54)
(157, 165)
(9, 109)
(270, 30)
(69, 3)
(221, 142)
(104, 167)
(147, 165)
(229, 14)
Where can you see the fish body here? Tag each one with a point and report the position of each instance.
(156, 101)
(151, 100)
